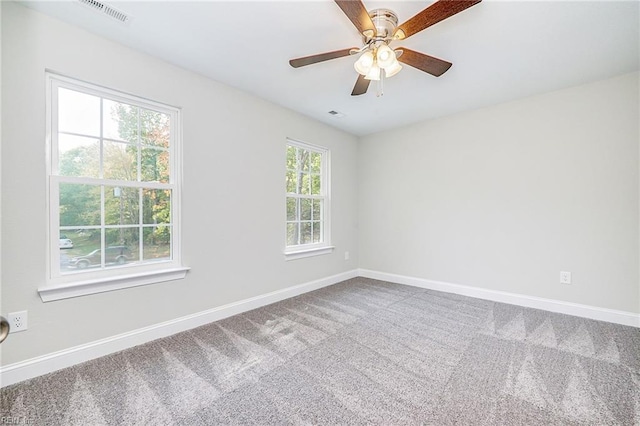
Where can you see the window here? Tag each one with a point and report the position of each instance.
(113, 190)
(307, 203)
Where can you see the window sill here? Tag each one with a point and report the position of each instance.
(308, 252)
(83, 288)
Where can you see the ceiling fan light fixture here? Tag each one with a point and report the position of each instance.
(364, 63)
(392, 69)
(379, 28)
(374, 73)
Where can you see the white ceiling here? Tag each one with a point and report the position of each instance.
(501, 50)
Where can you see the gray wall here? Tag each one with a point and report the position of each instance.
(506, 197)
(233, 199)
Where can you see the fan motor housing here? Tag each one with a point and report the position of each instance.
(385, 21)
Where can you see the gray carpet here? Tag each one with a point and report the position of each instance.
(359, 352)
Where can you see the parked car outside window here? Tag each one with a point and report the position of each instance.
(65, 243)
(118, 255)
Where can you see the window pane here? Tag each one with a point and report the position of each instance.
(291, 158)
(305, 184)
(157, 206)
(78, 156)
(305, 208)
(292, 209)
(154, 128)
(303, 159)
(317, 234)
(155, 165)
(292, 234)
(317, 209)
(121, 205)
(86, 252)
(305, 233)
(315, 184)
(120, 121)
(157, 243)
(316, 162)
(120, 161)
(79, 205)
(122, 246)
(78, 113)
(292, 182)
(75, 243)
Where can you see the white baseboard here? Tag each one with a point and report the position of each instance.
(17, 372)
(585, 311)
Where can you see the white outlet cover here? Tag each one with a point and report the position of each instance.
(18, 321)
(565, 277)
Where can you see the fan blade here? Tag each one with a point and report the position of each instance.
(426, 63)
(361, 86)
(438, 11)
(357, 13)
(314, 59)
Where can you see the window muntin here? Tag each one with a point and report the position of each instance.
(113, 187)
(307, 197)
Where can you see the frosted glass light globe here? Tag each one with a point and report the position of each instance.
(385, 56)
(364, 63)
(392, 69)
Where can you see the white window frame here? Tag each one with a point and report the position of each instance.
(62, 286)
(323, 247)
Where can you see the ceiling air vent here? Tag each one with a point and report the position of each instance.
(105, 9)
(336, 114)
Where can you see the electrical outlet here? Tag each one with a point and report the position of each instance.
(346, 255)
(565, 277)
(18, 321)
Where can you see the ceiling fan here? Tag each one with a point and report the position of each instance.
(379, 28)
